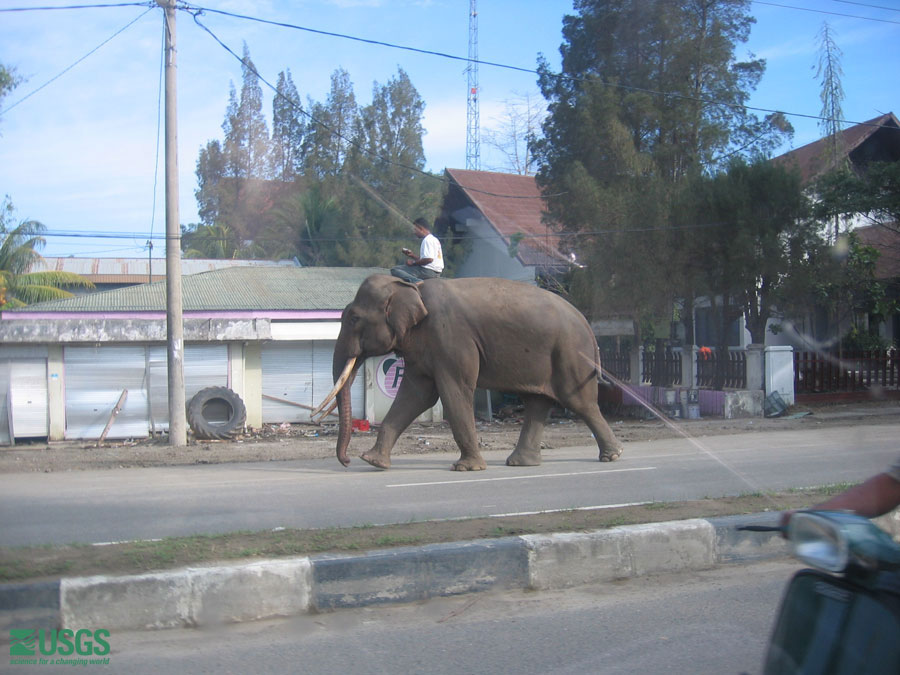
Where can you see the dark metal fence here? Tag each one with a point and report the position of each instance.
(722, 370)
(617, 364)
(820, 372)
(662, 367)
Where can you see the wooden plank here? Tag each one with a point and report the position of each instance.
(293, 403)
(112, 416)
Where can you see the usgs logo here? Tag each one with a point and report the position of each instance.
(65, 642)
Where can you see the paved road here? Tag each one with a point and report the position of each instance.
(710, 622)
(116, 505)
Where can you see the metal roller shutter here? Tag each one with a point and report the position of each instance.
(4, 410)
(204, 366)
(300, 372)
(28, 400)
(95, 379)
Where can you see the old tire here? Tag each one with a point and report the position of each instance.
(215, 413)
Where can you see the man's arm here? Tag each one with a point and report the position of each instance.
(875, 497)
(870, 499)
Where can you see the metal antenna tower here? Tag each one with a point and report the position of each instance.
(473, 144)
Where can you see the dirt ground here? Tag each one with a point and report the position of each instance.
(276, 443)
(305, 441)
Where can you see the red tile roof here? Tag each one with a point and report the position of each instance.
(513, 205)
(811, 159)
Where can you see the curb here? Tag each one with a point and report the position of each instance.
(205, 596)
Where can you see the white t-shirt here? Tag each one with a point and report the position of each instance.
(431, 248)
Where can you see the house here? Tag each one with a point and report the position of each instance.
(267, 333)
(886, 240)
(874, 141)
(877, 140)
(111, 273)
(503, 215)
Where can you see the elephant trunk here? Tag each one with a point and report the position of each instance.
(344, 374)
(345, 420)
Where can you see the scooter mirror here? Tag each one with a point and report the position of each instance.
(818, 541)
(835, 541)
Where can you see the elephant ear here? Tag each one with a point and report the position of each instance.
(404, 309)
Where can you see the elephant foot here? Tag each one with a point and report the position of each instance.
(376, 459)
(469, 464)
(610, 455)
(521, 457)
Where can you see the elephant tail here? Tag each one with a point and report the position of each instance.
(603, 382)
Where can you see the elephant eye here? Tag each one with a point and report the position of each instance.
(354, 320)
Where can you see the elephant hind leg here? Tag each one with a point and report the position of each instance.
(588, 409)
(457, 398)
(528, 448)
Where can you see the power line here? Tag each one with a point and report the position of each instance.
(66, 70)
(825, 11)
(865, 4)
(159, 95)
(521, 235)
(48, 8)
(197, 10)
(339, 135)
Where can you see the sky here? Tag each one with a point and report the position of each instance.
(81, 138)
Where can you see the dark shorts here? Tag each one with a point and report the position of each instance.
(414, 273)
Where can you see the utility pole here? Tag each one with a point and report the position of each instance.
(473, 141)
(174, 323)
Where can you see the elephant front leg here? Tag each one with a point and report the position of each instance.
(528, 448)
(413, 398)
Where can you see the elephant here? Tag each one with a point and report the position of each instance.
(457, 335)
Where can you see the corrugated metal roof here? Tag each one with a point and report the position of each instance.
(235, 289)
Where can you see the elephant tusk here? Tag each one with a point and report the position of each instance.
(342, 380)
(325, 413)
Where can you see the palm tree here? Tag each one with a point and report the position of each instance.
(212, 241)
(18, 253)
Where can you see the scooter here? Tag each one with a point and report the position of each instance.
(844, 615)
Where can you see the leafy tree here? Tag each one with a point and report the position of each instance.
(759, 229)
(9, 80)
(214, 198)
(307, 222)
(650, 96)
(210, 241)
(847, 290)
(339, 189)
(18, 253)
(872, 195)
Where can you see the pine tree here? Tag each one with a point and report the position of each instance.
(246, 135)
(288, 128)
(330, 128)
